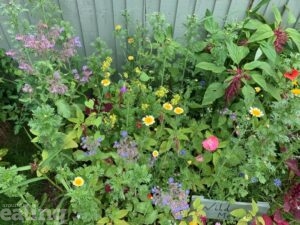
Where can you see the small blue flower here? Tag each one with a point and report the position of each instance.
(124, 133)
(171, 180)
(254, 179)
(182, 152)
(277, 182)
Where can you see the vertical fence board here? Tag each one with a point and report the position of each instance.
(202, 6)
(262, 9)
(70, 13)
(168, 8)
(221, 10)
(151, 7)
(269, 15)
(89, 26)
(185, 8)
(237, 13)
(136, 10)
(293, 7)
(105, 22)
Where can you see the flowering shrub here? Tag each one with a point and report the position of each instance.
(216, 116)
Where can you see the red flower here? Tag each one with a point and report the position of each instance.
(108, 188)
(292, 75)
(292, 201)
(281, 39)
(278, 218)
(293, 166)
(149, 196)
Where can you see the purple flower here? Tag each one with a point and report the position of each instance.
(292, 201)
(26, 67)
(277, 182)
(123, 89)
(10, 53)
(27, 88)
(124, 133)
(182, 152)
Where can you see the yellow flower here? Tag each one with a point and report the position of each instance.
(161, 92)
(257, 89)
(107, 74)
(178, 110)
(106, 63)
(189, 162)
(125, 75)
(167, 106)
(113, 119)
(145, 106)
(105, 82)
(78, 181)
(130, 58)
(155, 153)
(256, 112)
(130, 40)
(193, 223)
(137, 70)
(118, 27)
(148, 120)
(295, 83)
(175, 100)
(296, 91)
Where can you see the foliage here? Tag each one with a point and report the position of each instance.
(216, 114)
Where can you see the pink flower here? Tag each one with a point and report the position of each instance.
(199, 158)
(211, 143)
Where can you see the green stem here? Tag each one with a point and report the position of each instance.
(163, 72)
(54, 184)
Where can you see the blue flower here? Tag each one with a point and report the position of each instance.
(124, 133)
(277, 182)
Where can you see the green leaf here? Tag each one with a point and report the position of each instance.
(69, 142)
(277, 15)
(237, 53)
(259, 79)
(24, 183)
(254, 209)
(165, 146)
(291, 17)
(151, 217)
(120, 222)
(63, 108)
(210, 24)
(144, 77)
(89, 103)
(103, 221)
(295, 36)
(3, 152)
(213, 92)
(121, 213)
(261, 65)
(239, 213)
(264, 31)
(253, 24)
(210, 67)
(269, 51)
(249, 95)
(274, 92)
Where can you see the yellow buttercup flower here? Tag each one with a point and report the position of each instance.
(130, 58)
(296, 91)
(130, 40)
(167, 106)
(148, 120)
(256, 112)
(78, 181)
(105, 82)
(155, 153)
(257, 89)
(118, 27)
(178, 110)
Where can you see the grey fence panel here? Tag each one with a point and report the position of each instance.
(93, 18)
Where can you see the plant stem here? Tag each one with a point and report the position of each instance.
(54, 184)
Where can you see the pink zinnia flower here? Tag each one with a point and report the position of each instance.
(211, 143)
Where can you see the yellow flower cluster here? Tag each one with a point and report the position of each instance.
(106, 64)
(296, 91)
(161, 92)
(130, 40)
(105, 82)
(145, 107)
(113, 119)
(175, 100)
(169, 107)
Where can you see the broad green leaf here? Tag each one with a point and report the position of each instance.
(197, 203)
(144, 77)
(216, 157)
(259, 5)
(254, 209)
(213, 92)
(120, 222)
(269, 51)
(275, 92)
(258, 54)
(261, 65)
(121, 213)
(103, 221)
(291, 17)
(210, 67)
(165, 146)
(90, 103)
(249, 95)
(69, 142)
(263, 32)
(253, 24)
(277, 15)
(239, 213)
(209, 23)
(3, 152)
(182, 223)
(259, 79)
(237, 53)
(295, 36)
(63, 108)
(151, 217)
(242, 223)
(79, 114)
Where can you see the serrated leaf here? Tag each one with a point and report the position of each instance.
(264, 31)
(249, 95)
(151, 217)
(295, 36)
(144, 77)
(213, 92)
(209, 23)
(261, 65)
(254, 209)
(68, 142)
(237, 53)
(239, 213)
(165, 146)
(211, 67)
(63, 108)
(121, 213)
(269, 51)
